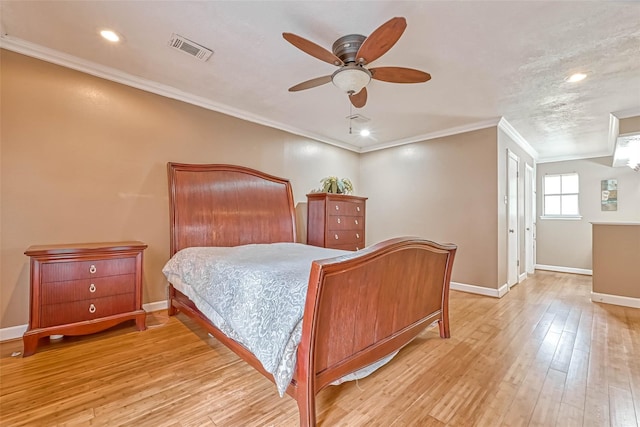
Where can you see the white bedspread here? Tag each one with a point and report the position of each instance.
(255, 294)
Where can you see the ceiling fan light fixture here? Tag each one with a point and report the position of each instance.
(351, 79)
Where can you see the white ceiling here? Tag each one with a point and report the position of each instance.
(488, 60)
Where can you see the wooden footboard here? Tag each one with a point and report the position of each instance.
(363, 307)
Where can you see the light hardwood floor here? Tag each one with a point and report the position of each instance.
(543, 355)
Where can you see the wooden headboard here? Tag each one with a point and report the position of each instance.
(226, 205)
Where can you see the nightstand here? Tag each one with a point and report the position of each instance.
(79, 289)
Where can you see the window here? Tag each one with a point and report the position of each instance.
(561, 196)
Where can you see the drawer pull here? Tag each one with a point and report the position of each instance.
(336, 236)
(92, 269)
(357, 248)
(338, 220)
(337, 207)
(358, 208)
(357, 235)
(92, 308)
(356, 222)
(92, 288)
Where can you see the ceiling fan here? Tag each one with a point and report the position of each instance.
(352, 53)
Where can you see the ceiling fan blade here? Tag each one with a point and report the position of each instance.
(312, 49)
(381, 40)
(399, 75)
(359, 99)
(310, 83)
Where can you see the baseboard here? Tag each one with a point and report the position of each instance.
(615, 300)
(155, 306)
(12, 332)
(564, 269)
(479, 290)
(502, 290)
(15, 332)
(522, 277)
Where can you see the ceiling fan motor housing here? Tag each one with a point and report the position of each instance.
(346, 47)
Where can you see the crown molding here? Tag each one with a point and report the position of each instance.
(433, 135)
(506, 127)
(575, 157)
(117, 76)
(629, 112)
(614, 131)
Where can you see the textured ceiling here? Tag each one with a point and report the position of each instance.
(488, 60)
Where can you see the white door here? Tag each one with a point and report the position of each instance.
(512, 219)
(529, 219)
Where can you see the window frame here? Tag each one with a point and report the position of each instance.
(561, 193)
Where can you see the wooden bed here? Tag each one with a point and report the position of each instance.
(359, 308)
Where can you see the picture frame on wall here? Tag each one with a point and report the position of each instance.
(609, 195)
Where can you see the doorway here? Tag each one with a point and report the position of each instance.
(529, 219)
(513, 163)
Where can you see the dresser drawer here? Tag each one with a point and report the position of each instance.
(347, 246)
(78, 311)
(342, 222)
(338, 237)
(73, 270)
(342, 207)
(83, 289)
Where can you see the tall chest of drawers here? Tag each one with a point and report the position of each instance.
(336, 221)
(84, 288)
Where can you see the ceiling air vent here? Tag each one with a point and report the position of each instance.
(358, 118)
(189, 47)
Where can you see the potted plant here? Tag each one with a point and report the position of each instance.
(333, 184)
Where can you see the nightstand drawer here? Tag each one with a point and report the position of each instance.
(78, 311)
(84, 289)
(72, 270)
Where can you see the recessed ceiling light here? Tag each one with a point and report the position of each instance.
(110, 35)
(365, 132)
(576, 77)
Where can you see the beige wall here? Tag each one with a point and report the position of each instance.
(443, 189)
(567, 243)
(616, 259)
(84, 159)
(629, 125)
